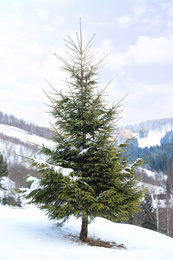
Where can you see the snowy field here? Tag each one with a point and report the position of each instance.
(24, 136)
(152, 139)
(26, 234)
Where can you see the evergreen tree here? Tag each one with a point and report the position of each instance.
(169, 180)
(3, 167)
(149, 216)
(86, 174)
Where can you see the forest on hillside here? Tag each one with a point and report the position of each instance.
(22, 124)
(151, 125)
(156, 158)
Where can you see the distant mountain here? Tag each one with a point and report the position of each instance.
(148, 133)
(158, 125)
(153, 141)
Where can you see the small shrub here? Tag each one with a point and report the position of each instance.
(11, 199)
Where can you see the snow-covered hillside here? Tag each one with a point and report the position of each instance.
(27, 234)
(153, 138)
(154, 131)
(5, 185)
(22, 135)
(15, 141)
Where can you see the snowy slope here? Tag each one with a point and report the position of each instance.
(27, 234)
(15, 141)
(152, 139)
(156, 130)
(6, 185)
(23, 136)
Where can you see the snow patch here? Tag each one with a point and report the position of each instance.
(152, 139)
(64, 171)
(7, 184)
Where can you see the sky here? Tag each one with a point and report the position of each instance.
(136, 36)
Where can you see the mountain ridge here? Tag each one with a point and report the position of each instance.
(46, 132)
(153, 125)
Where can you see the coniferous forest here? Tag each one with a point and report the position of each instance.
(157, 158)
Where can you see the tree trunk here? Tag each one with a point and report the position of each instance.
(84, 229)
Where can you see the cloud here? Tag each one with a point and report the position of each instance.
(147, 50)
(43, 15)
(170, 24)
(139, 7)
(32, 32)
(147, 102)
(124, 21)
(151, 50)
(34, 48)
(58, 21)
(170, 12)
(162, 89)
(139, 10)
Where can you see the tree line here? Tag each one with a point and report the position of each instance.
(156, 158)
(3, 167)
(22, 124)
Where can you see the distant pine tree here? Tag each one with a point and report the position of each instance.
(86, 174)
(148, 212)
(169, 180)
(168, 138)
(3, 167)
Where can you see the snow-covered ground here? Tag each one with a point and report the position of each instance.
(23, 135)
(156, 131)
(11, 150)
(152, 139)
(27, 234)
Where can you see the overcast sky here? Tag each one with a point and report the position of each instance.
(137, 35)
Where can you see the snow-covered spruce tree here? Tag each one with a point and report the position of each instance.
(86, 174)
